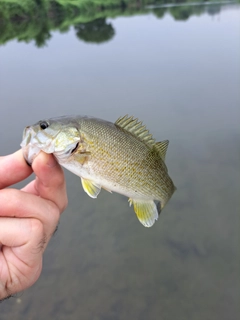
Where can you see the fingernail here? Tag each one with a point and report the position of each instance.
(52, 162)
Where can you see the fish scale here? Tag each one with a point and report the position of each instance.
(136, 160)
(122, 157)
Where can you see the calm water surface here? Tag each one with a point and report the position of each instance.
(182, 78)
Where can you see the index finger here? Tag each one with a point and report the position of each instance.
(13, 168)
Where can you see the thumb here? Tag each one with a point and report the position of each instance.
(50, 182)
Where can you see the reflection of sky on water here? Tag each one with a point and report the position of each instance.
(148, 64)
(182, 80)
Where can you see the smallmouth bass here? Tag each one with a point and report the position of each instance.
(122, 157)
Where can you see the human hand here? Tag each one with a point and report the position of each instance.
(28, 218)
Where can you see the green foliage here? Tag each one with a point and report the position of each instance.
(95, 31)
(184, 12)
(27, 20)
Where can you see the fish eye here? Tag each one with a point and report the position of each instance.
(43, 125)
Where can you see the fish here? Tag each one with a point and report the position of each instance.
(120, 157)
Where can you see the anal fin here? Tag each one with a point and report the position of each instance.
(91, 188)
(146, 211)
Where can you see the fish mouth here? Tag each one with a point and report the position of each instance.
(34, 142)
(29, 150)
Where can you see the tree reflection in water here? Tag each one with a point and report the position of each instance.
(96, 31)
(34, 20)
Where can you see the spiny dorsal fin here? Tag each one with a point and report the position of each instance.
(136, 128)
(162, 148)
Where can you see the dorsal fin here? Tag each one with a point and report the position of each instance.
(136, 128)
(162, 148)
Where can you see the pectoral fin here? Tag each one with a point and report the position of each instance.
(91, 188)
(146, 211)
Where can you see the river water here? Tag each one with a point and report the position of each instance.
(180, 75)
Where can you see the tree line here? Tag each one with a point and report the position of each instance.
(33, 20)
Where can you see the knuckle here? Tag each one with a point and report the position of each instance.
(54, 213)
(64, 204)
(37, 227)
(59, 201)
(58, 179)
(53, 218)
